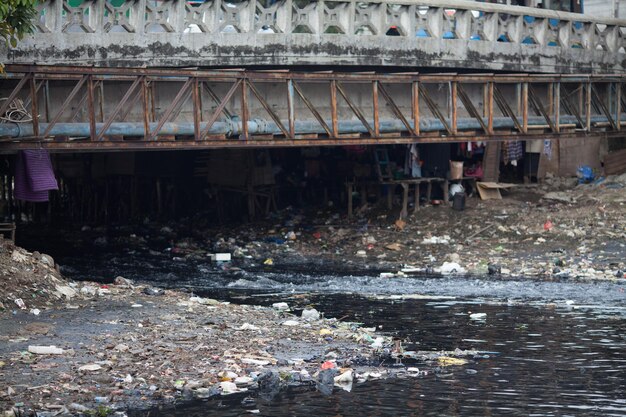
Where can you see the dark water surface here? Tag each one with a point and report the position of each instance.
(555, 348)
(546, 361)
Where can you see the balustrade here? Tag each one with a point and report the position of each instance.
(443, 20)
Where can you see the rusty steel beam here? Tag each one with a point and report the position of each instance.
(245, 116)
(469, 106)
(179, 99)
(91, 111)
(219, 110)
(434, 109)
(5, 104)
(312, 108)
(66, 102)
(34, 103)
(242, 82)
(118, 107)
(69, 72)
(600, 103)
(415, 106)
(291, 109)
(269, 110)
(395, 109)
(355, 110)
(540, 109)
(94, 146)
(505, 108)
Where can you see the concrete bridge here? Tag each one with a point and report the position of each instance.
(372, 33)
(76, 83)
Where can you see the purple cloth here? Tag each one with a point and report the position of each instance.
(34, 176)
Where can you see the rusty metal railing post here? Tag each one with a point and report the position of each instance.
(376, 112)
(415, 95)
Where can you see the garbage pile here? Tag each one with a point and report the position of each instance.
(30, 281)
(123, 345)
(558, 229)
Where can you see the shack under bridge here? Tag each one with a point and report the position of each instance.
(103, 111)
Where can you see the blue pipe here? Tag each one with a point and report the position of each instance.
(232, 127)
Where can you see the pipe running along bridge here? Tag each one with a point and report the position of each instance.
(526, 73)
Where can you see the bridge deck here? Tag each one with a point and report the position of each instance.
(398, 33)
(88, 109)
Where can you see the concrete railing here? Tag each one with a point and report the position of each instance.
(454, 29)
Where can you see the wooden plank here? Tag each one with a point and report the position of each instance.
(491, 162)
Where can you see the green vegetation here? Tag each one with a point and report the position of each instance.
(16, 19)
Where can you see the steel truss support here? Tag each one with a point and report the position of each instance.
(229, 108)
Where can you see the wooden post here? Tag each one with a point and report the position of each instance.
(405, 201)
(349, 191)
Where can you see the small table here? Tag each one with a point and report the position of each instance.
(405, 184)
(8, 227)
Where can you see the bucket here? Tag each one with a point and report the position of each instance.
(456, 170)
(458, 201)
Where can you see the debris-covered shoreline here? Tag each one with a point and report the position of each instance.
(97, 348)
(123, 345)
(556, 230)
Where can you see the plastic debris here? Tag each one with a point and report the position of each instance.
(90, 368)
(449, 361)
(449, 268)
(20, 303)
(281, 306)
(310, 314)
(478, 316)
(45, 350)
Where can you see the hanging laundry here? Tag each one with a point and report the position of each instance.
(412, 162)
(34, 176)
(512, 151)
(547, 148)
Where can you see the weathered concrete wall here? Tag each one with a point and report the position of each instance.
(178, 50)
(426, 34)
